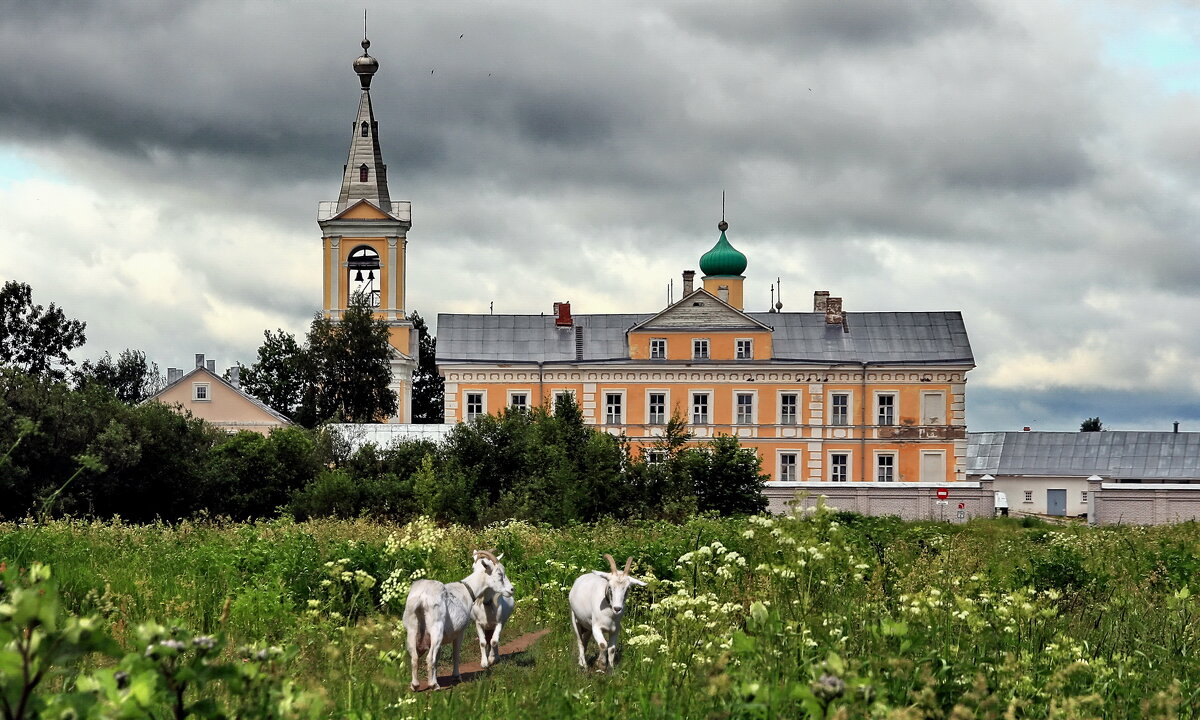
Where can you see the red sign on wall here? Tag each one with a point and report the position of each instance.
(943, 493)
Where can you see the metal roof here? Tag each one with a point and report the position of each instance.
(1110, 454)
(879, 337)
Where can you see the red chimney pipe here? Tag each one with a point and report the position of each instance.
(563, 310)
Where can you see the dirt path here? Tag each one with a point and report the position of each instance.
(473, 670)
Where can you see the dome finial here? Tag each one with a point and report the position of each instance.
(722, 226)
(365, 65)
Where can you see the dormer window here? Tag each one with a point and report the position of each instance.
(362, 172)
(364, 129)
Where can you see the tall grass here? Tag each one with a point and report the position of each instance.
(820, 615)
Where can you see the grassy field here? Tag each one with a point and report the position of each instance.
(823, 615)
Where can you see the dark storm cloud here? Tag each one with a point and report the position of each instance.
(910, 155)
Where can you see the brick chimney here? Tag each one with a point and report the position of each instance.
(833, 310)
(689, 278)
(820, 299)
(562, 314)
(199, 360)
(723, 293)
(235, 376)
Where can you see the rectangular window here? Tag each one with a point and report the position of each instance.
(658, 348)
(885, 468)
(653, 457)
(518, 401)
(933, 409)
(1028, 496)
(656, 404)
(839, 411)
(788, 405)
(933, 467)
(745, 350)
(788, 466)
(612, 408)
(839, 467)
(885, 409)
(561, 396)
(1083, 496)
(699, 348)
(200, 391)
(745, 409)
(699, 408)
(474, 405)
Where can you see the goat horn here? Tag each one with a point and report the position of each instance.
(486, 554)
(611, 563)
(628, 562)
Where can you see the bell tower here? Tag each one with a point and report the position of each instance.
(364, 237)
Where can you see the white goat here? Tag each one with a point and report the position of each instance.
(436, 614)
(490, 612)
(597, 604)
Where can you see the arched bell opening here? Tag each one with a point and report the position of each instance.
(362, 271)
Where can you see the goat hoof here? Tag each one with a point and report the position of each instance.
(415, 686)
(435, 687)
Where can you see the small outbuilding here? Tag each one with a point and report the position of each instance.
(218, 401)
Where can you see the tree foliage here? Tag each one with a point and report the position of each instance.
(130, 376)
(1092, 424)
(34, 339)
(341, 373)
(428, 387)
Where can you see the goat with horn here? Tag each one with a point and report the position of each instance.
(597, 605)
(490, 614)
(437, 614)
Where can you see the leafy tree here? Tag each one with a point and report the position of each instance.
(342, 372)
(282, 377)
(428, 387)
(34, 339)
(726, 478)
(1092, 424)
(352, 363)
(130, 377)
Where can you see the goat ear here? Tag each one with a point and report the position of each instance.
(500, 556)
(487, 565)
(601, 573)
(637, 582)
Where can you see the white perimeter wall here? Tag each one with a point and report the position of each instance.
(1014, 486)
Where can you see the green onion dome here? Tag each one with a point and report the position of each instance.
(723, 259)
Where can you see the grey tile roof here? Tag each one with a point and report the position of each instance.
(893, 337)
(1112, 454)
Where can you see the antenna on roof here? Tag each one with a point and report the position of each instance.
(779, 302)
(364, 23)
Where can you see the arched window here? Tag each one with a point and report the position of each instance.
(364, 128)
(362, 172)
(362, 268)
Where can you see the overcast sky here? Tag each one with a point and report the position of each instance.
(1033, 164)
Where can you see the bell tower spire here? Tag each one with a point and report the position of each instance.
(365, 238)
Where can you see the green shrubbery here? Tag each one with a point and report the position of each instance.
(83, 452)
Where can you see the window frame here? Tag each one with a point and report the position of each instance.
(737, 415)
(655, 456)
(894, 408)
(829, 419)
(780, 465)
(518, 393)
(206, 387)
(666, 394)
(708, 406)
(622, 407)
(921, 468)
(466, 395)
(554, 393)
(656, 344)
(697, 344)
(798, 395)
(845, 468)
(890, 455)
(932, 393)
(1027, 496)
(737, 348)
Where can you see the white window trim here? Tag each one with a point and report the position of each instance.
(466, 406)
(528, 396)
(829, 464)
(555, 392)
(895, 464)
(653, 456)
(692, 406)
(1027, 496)
(799, 467)
(895, 395)
(666, 404)
(735, 348)
(753, 406)
(942, 405)
(799, 406)
(624, 405)
(849, 407)
(207, 392)
(651, 348)
(921, 468)
(707, 348)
